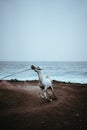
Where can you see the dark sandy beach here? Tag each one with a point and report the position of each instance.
(21, 108)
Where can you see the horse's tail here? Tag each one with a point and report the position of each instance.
(47, 77)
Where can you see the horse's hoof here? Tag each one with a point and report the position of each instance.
(50, 100)
(55, 98)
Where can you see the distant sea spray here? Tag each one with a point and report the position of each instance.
(75, 72)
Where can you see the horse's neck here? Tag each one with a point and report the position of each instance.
(40, 77)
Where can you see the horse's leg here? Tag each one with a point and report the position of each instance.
(45, 95)
(49, 94)
(50, 97)
(54, 95)
(41, 94)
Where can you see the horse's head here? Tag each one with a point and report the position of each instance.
(36, 69)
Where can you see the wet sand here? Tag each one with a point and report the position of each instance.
(21, 108)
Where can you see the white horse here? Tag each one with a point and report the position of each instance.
(45, 84)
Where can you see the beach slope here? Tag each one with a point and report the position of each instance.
(21, 108)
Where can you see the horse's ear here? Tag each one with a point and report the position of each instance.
(39, 68)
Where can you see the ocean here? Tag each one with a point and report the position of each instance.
(74, 72)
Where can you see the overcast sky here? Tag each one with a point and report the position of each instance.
(43, 30)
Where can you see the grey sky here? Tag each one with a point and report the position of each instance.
(46, 30)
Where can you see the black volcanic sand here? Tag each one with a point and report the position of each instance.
(21, 108)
